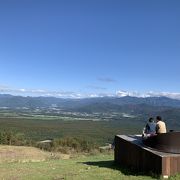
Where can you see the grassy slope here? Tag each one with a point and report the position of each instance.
(93, 167)
(31, 163)
(41, 165)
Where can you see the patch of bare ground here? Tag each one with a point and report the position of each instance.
(27, 154)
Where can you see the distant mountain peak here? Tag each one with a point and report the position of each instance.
(76, 95)
(123, 98)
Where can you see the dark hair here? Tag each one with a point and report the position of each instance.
(150, 119)
(159, 118)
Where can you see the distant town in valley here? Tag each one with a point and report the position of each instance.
(106, 116)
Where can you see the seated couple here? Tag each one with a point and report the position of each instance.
(153, 128)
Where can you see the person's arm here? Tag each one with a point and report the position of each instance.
(146, 128)
(157, 128)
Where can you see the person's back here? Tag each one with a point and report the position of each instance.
(160, 126)
(151, 128)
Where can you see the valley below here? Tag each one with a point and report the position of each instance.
(76, 131)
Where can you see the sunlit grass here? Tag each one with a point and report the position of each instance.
(82, 167)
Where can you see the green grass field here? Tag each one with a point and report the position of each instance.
(28, 163)
(41, 165)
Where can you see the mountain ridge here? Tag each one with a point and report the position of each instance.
(7, 100)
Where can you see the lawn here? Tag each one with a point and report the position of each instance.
(99, 166)
(28, 163)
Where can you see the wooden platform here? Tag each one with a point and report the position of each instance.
(130, 152)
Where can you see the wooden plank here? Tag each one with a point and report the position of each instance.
(174, 165)
(166, 162)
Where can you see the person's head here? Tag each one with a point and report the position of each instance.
(151, 119)
(158, 118)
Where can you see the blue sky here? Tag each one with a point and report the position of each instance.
(90, 46)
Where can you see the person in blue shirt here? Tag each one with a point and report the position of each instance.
(150, 128)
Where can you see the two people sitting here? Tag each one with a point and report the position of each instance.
(153, 128)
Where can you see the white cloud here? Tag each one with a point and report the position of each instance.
(47, 93)
(106, 79)
(23, 90)
(168, 94)
(70, 94)
(121, 93)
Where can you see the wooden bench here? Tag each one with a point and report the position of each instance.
(131, 152)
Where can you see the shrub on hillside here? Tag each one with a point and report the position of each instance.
(12, 138)
(68, 145)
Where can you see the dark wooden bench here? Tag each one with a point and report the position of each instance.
(166, 142)
(131, 152)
